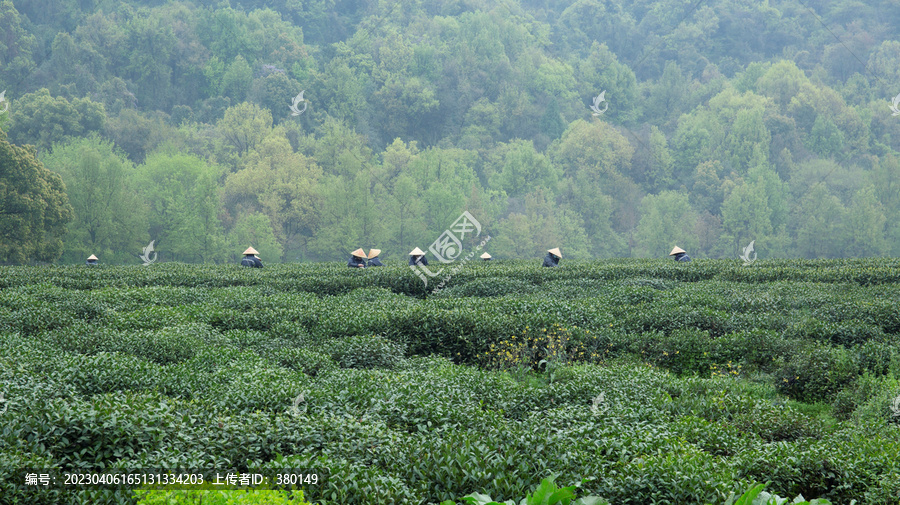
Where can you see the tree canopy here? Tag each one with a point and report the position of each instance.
(721, 123)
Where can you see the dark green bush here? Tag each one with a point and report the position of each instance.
(879, 356)
(816, 372)
(307, 361)
(684, 351)
(757, 349)
(365, 351)
(485, 288)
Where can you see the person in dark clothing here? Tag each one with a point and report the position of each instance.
(93, 260)
(417, 256)
(373, 258)
(680, 254)
(357, 259)
(251, 259)
(552, 258)
(486, 257)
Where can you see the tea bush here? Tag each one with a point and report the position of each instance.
(646, 381)
(816, 372)
(365, 351)
(307, 361)
(187, 497)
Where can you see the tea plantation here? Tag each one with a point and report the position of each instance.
(640, 381)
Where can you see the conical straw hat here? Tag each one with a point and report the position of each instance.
(359, 253)
(251, 250)
(416, 252)
(676, 250)
(92, 257)
(555, 252)
(485, 256)
(373, 253)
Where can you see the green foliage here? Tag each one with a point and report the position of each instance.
(41, 120)
(816, 372)
(490, 102)
(360, 351)
(110, 219)
(34, 208)
(642, 380)
(265, 497)
(545, 494)
(182, 194)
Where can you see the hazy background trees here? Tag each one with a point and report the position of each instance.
(170, 121)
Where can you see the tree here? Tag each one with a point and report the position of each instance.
(110, 220)
(670, 95)
(42, 120)
(518, 168)
(602, 71)
(15, 47)
(252, 229)
(34, 208)
(825, 139)
(541, 226)
(866, 220)
(661, 161)
(782, 81)
(819, 222)
(282, 185)
(594, 147)
(707, 191)
(136, 134)
(151, 44)
(236, 79)
(666, 220)
(275, 92)
(182, 193)
(243, 127)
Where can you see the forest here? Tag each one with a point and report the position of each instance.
(723, 122)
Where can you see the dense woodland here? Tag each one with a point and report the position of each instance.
(728, 121)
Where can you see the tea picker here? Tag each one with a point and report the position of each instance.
(251, 258)
(552, 258)
(417, 257)
(373, 258)
(680, 254)
(357, 259)
(486, 257)
(93, 260)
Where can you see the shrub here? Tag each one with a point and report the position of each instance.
(233, 497)
(877, 400)
(307, 361)
(757, 349)
(683, 351)
(816, 372)
(489, 287)
(879, 356)
(362, 351)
